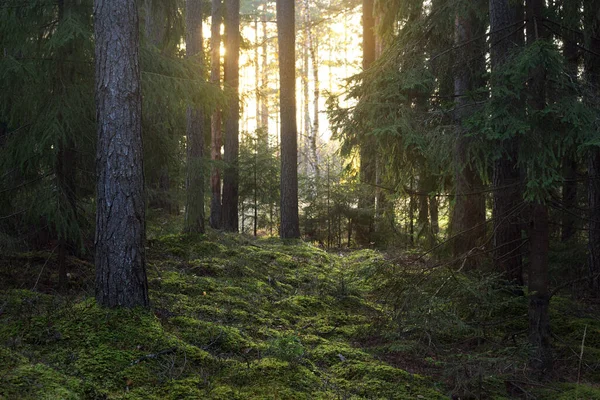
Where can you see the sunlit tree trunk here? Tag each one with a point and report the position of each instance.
(215, 127)
(264, 117)
(194, 209)
(290, 224)
(120, 219)
(469, 211)
(232, 118)
(367, 146)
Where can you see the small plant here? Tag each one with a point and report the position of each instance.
(287, 348)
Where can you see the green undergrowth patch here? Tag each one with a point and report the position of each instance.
(231, 318)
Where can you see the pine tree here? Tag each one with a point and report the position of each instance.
(592, 72)
(469, 212)
(216, 135)
(290, 223)
(194, 210)
(120, 222)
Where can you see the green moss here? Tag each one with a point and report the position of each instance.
(39, 382)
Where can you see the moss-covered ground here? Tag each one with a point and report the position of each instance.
(239, 318)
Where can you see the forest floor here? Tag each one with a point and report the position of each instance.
(239, 318)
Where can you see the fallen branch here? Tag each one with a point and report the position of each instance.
(154, 355)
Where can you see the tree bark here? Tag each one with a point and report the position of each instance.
(539, 293)
(232, 120)
(365, 223)
(120, 219)
(592, 71)
(469, 211)
(506, 174)
(215, 129)
(571, 18)
(194, 209)
(290, 224)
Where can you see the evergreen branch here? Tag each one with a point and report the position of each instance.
(572, 41)
(25, 183)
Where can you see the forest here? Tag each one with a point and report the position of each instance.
(311, 199)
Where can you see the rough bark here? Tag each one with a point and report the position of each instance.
(232, 118)
(215, 128)
(506, 174)
(469, 211)
(571, 19)
(290, 224)
(539, 297)
(194, 208)
(365, 224)
(120, 219)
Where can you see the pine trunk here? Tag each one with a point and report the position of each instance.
(367, 174)
(290, 224)
(571, 19)
(506, 175)
(120, 219)
(215, 128)
(592, 69)
(232, 118)
(194, 210)
(469, 211)
(539, 293)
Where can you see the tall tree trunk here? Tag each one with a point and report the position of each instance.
(194, 209)
(314, 55)
(290, 224)
(506, 175)
(469, 211)
(215, 128)
(539, 293)
(592, 70)
(155, 32)
(367, 150)
(120, 218)
(264, 117)
(232, 120)
(571, 19)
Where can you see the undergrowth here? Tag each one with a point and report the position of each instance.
(239, 318)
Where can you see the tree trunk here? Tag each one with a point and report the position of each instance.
(592, 71)
(120, 219)
(264, 115)
(367, 150)
(290, 224)
(194, 210)
(469, 211)
(506, 175)
(215, 128)
(571, 19)
(539, 300)
(232, 120)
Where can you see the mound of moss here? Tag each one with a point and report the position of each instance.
(231, 318)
